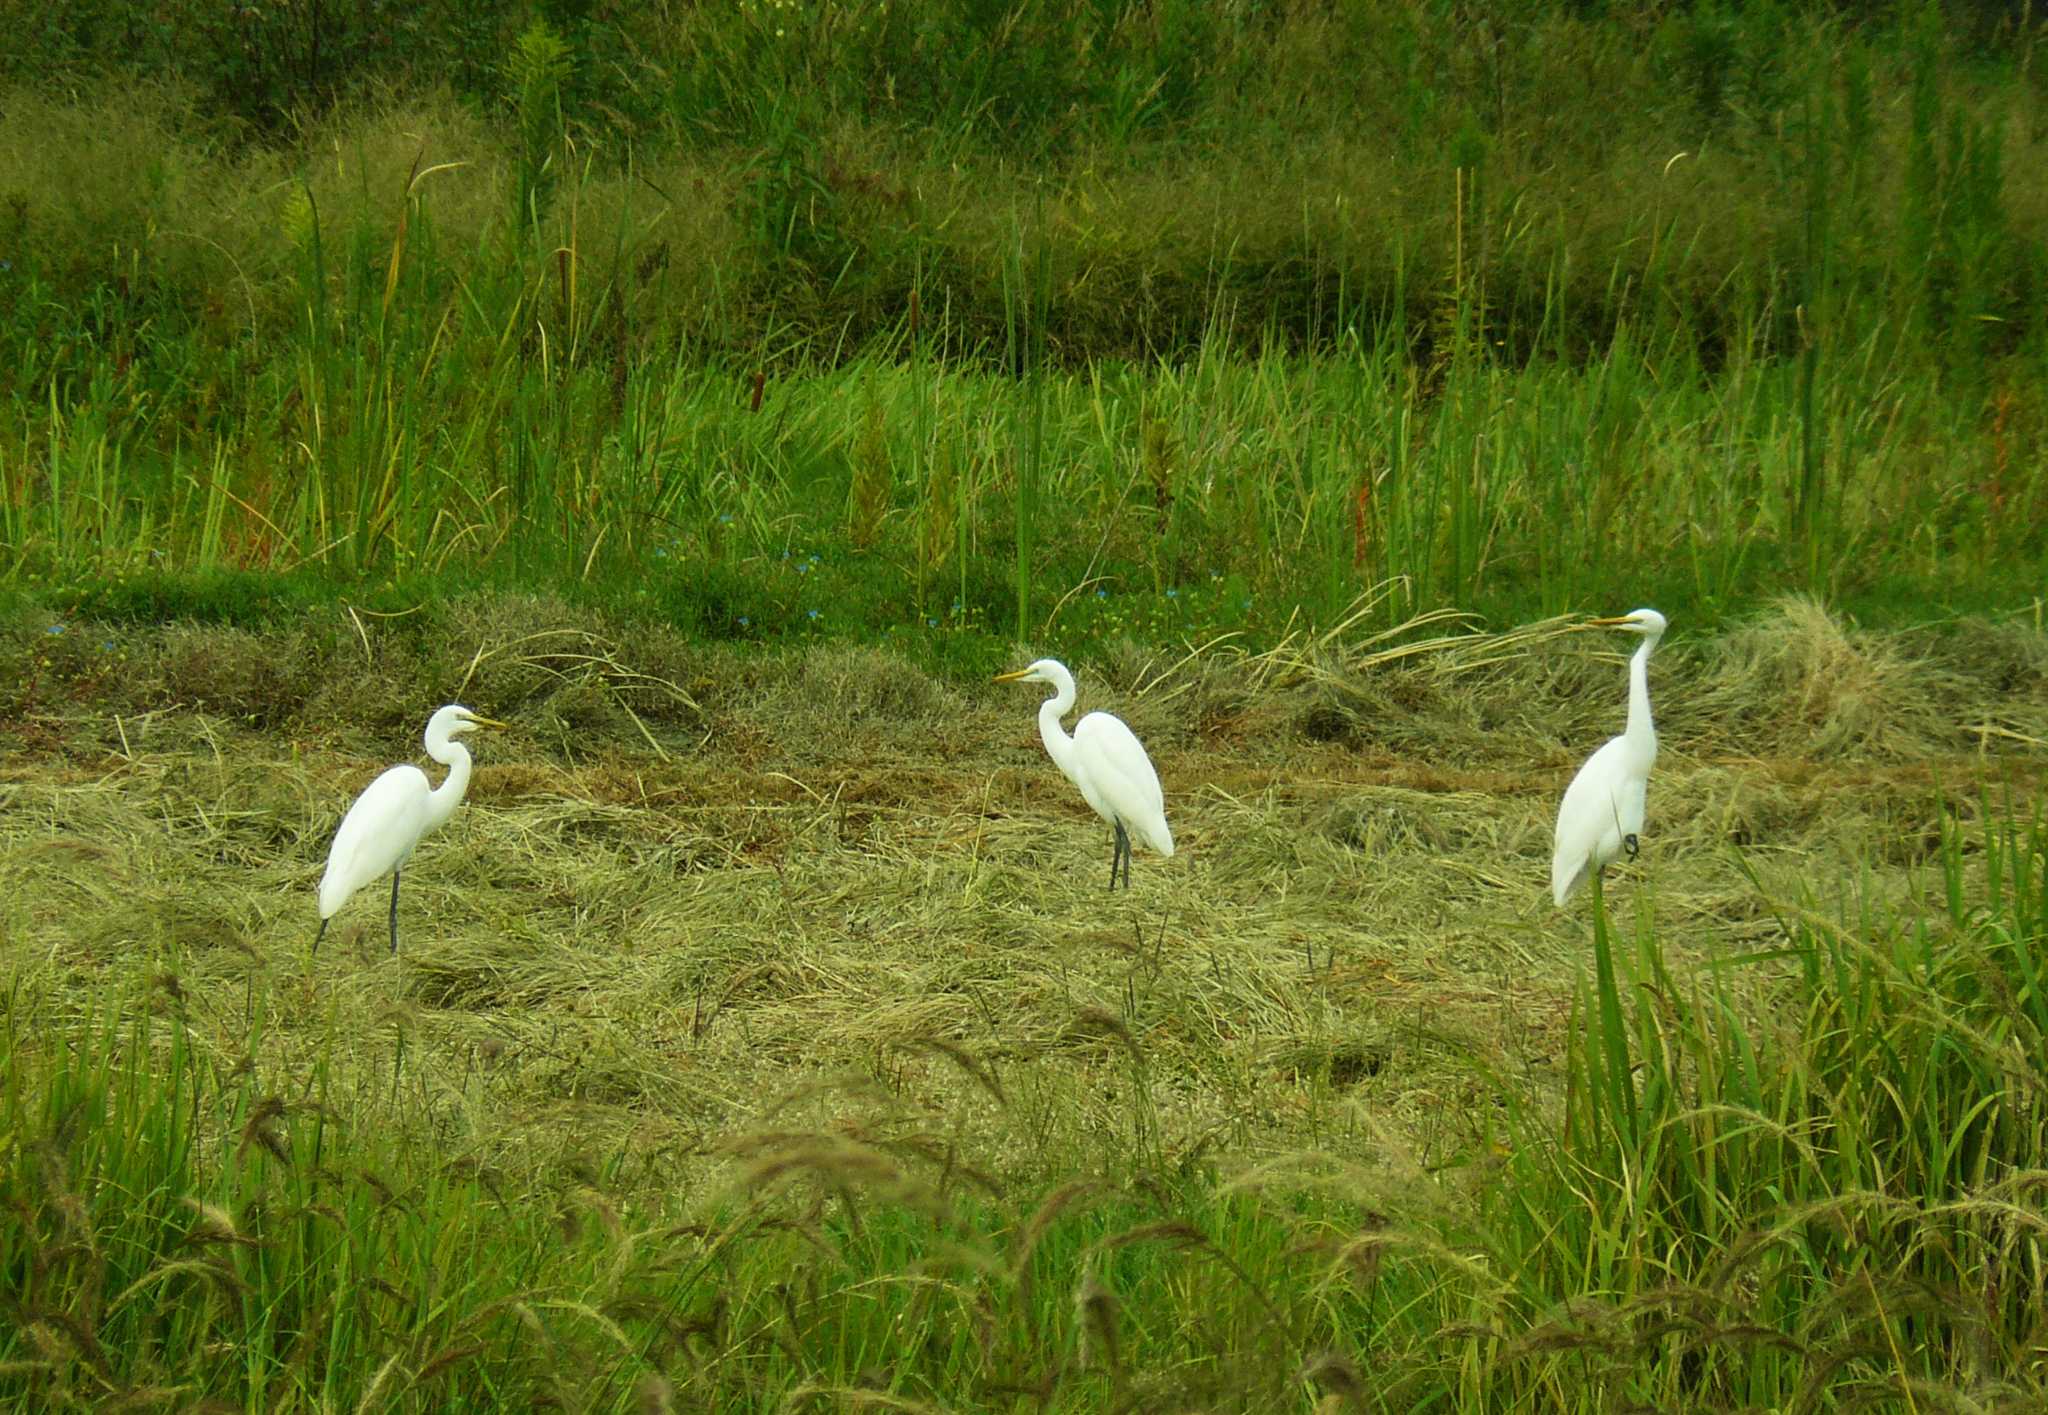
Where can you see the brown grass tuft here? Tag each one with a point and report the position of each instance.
(215, 1225)
(1097, 1314)
(1800, 679)
(654, 1394)
(261, 1130)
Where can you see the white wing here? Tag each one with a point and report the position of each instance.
(1075, 765)
(1114, 762)
(1633, 799)
(378, 832)
(1591, 820)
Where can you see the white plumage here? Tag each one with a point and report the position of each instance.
(1603, 808)
(388, 820)
(1106, 761)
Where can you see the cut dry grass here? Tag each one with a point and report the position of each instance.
(771, 1014)
(692, 881)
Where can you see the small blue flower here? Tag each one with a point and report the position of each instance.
(812, 613)
(931, 620)
(1173, 594)
(746, 623)
(54, 630)
(803, 569)
(1102, 594)
(785, 552)
(108, 646)
(660, 553)
(726, 519)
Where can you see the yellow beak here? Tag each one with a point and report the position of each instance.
(475, 721)
(1013, 677)
(1619, 622)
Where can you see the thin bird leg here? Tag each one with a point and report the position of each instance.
(1116, 852)
(1123, 845)
(394, 910)
(320, 935)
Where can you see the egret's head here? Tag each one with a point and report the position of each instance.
(1045, 670)
(454, 720)
(1647, 622)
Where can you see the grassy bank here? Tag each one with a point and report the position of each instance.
(750, 172)
(910, 496)
(718, 1070)
(1519, 316)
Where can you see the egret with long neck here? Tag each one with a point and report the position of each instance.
(393, 813)
(1106, 761)
(1602, 813)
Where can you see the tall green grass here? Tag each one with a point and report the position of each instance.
(1145, 498)
(1831, 1183)
(1811, 1176)
(1199, 305)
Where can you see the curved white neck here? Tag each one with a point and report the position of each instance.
(1058, 745)
(443, 799)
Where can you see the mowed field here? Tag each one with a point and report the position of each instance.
(723, 936)
(721, 395)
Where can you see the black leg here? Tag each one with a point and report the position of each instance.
(320, 935)
(1116, 851)
(1631, 846)
(1123, 852)
(394, 911)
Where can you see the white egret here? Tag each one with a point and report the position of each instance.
(394, 811)
(1602, 813)
(1105, 759)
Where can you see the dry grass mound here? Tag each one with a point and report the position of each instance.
(1799, 680)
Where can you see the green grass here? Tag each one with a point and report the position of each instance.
(1168, 502)
(717, 392)
(1562, 317)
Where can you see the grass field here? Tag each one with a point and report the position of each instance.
(717, 1070)
(721, 394)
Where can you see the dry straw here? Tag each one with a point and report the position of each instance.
(676, 893)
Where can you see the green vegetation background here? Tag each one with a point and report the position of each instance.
(1066, 321)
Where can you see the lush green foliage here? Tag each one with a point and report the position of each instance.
(1162, 502)
(1184, 170)
(1705, 303)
